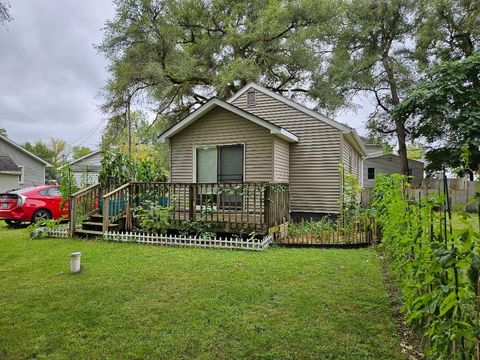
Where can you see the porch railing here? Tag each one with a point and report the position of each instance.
(82, 204)
(228, 207)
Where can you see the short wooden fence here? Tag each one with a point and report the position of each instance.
(339, 233)
(190, 241)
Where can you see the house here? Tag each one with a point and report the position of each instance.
(86, 169)
(32, 168)
(378, 162)
(9, 174)
(260, 136)
(390, 164)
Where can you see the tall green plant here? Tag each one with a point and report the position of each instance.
(68, 184)
(436, 270)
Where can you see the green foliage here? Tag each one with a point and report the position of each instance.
(351, 194)
(40, 228)
(68, 185)
(436, 267)
(315, 228)
(80, 151)
(179, 53)
(152, 217)
(445, 110)
(116, 170)
(198, 227)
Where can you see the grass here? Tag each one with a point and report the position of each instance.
(136, 301)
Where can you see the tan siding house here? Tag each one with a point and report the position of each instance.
(282, 141)
(221, 127)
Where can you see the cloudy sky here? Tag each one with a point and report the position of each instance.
(51, 76)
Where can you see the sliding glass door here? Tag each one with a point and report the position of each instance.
(221, 164)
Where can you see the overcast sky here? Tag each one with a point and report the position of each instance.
(51, 76)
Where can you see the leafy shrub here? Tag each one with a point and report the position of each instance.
(152, 217)
(40, 228)
(197, 227)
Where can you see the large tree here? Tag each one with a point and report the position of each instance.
(372, 57)
(174, 55)
(445, 109)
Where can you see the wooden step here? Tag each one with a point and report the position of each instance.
(88, 232)
(96, 216)
(94, 223)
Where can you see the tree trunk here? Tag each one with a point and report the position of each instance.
(399, 124)
(402, 148)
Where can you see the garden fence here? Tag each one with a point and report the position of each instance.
(190, 241)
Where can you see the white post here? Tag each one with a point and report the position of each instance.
(75, 262)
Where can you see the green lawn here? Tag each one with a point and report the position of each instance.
(137, 301)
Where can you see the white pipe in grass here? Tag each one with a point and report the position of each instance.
(75, 262)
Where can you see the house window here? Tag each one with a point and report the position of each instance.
(251, 98)
(371, 173)
(219, 164)
(21, 177)
(223, 164)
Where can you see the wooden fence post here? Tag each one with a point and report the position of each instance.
(106, 214)
(266, 205)
(73, 215)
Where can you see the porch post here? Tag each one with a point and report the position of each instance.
(73, 215)
(266, 205)
(192, 198)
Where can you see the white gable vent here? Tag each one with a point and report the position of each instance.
(251, 98)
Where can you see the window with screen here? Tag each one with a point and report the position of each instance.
(371, 173)
(251, 98)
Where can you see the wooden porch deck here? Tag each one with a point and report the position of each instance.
(227, 207)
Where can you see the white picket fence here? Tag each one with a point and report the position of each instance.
(58, 232)
(190, 241)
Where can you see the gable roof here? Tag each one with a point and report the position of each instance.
(342, 127)
(95, 152)
(8, 166)
(25, 151)
(215, 102)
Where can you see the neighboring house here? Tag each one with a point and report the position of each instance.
(86, 169)
(378, 162)
(390, 164)
(261, 136)
(9, 174)
(32, 168)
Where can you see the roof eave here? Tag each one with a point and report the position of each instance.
(22, 149)
(291, 103)
(204, 109)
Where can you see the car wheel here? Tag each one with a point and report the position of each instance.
(42, 214)
(13, 223)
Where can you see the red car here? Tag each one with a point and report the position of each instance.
(32, 204)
